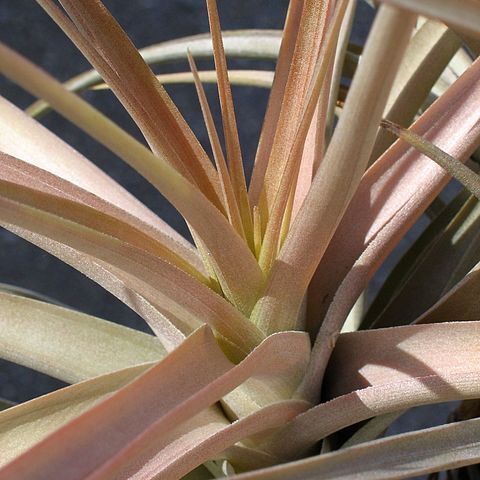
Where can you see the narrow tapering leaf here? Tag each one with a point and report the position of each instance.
(339, 173)
(232, 141)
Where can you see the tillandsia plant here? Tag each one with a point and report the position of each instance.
(264, 363)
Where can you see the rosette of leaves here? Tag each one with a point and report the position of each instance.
(250, 372)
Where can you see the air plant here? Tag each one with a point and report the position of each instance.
(259, 361)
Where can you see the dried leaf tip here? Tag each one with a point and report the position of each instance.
(391, 127)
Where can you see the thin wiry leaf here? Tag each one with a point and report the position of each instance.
(250, 78)
(454, 167)
(69, 345)
(232, 141)
(401, 456)
(254, 44)
(338, 174)
(229, 199)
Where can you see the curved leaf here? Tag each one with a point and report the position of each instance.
(381, 371)
(391, 196)
(142, 417)
(26, 424)
(69, 345)
(255, 44)
(197, 210)
(103, 274)
(461, 13)
(187, 301)
(249, 78)
(397, 457)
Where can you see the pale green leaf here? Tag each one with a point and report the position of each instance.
(69, 345)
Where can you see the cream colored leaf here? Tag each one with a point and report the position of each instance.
(249, 78)
(254, 44)
(464, 14)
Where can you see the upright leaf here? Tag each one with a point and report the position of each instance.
(339, 173)
(392, 195)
